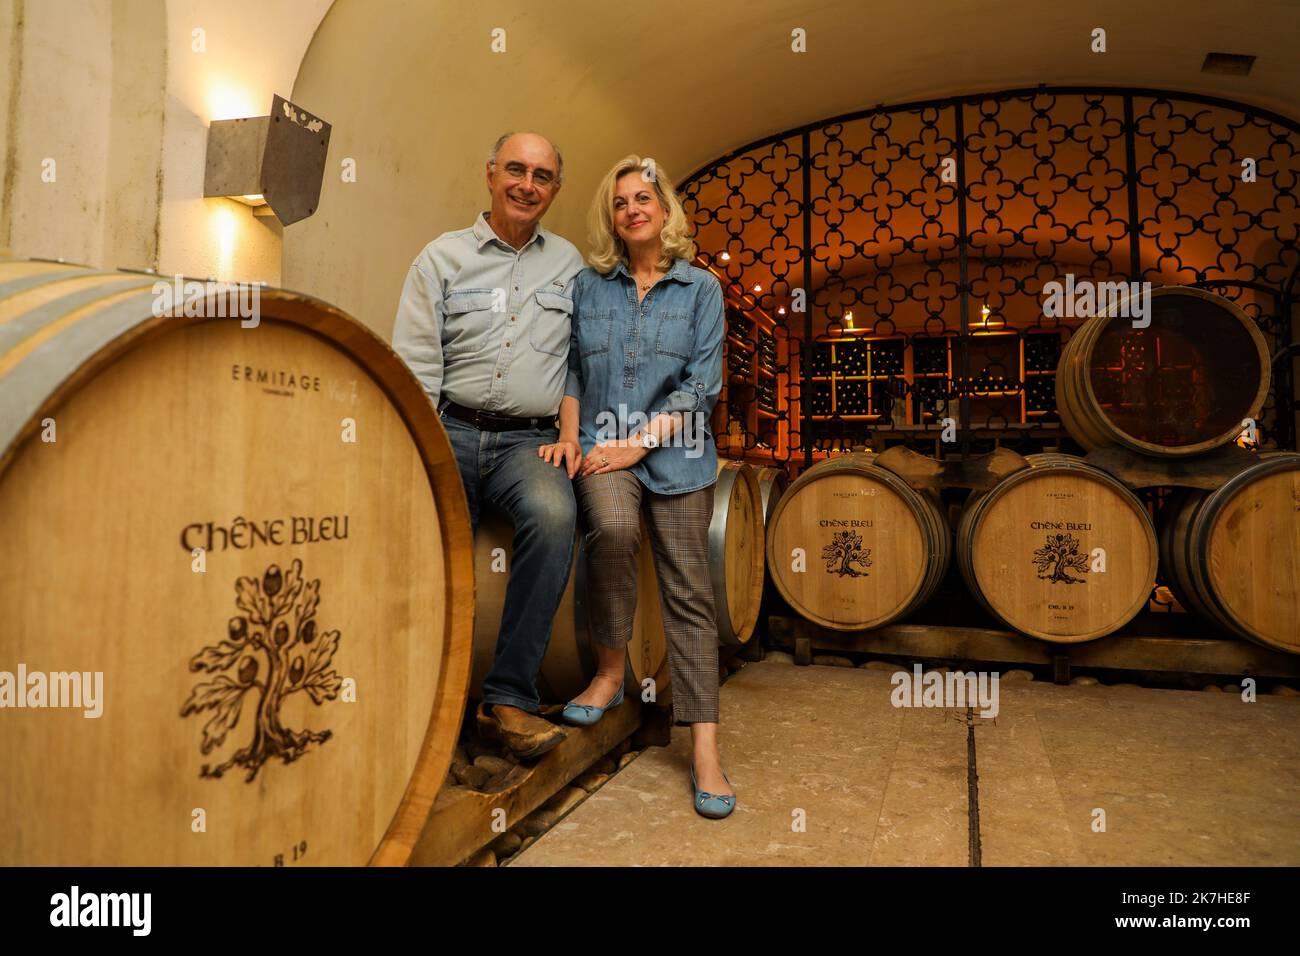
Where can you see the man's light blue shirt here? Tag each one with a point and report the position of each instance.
(486, 325)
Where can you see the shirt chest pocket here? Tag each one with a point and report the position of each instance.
(595, 331)
(551, 323)
(676, 335)
(469, 317)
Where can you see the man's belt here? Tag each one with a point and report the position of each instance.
(493, 421)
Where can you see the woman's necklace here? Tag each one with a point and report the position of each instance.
(645, 286)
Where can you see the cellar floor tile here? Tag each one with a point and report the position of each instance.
(827, 771)
(1184, 777)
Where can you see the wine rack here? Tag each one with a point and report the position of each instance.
(1012, 377)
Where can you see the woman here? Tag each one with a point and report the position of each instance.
(645, 369)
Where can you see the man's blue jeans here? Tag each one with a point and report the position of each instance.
(503, 469)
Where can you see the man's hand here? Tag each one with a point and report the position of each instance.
(564, 452)
(611, 456)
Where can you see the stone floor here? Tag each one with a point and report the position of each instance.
(830, 773)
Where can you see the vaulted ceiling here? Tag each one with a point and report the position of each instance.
(418, 91)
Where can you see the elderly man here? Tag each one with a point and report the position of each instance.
(484, 324)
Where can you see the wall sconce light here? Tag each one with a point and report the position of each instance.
(848, 320)
(276, 161)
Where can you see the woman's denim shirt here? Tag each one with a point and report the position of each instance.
(630, 360)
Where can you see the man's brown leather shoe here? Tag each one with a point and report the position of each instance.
(526, 735)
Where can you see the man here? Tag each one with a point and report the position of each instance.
(484, 323)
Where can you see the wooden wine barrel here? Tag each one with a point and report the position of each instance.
(772, 483)
(257, 539)
(1181, 386)
(736, 551)
(1233, 554)
(569, 663)
(874, 549)
(1026, 550)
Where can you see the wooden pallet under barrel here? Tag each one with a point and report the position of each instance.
(462, 820)
(1199, 652)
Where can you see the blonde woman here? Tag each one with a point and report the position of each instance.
(645, 370)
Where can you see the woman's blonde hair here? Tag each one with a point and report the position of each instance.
(607, 249)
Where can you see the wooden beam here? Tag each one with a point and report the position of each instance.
(1190, 654)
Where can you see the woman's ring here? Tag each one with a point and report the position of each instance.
(604, 461)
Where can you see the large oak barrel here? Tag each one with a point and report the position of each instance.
(736, 551)
(1233, 554)
(871, 548)
(256, 538)
(1180, 386)
(570, 662)
(1027, 550)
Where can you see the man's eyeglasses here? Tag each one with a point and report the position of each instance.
(542, 178)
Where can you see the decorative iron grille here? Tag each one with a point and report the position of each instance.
(922, 235)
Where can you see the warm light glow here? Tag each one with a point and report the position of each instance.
(757, 287)
(984, 322)
(781, 311)
(225, 224)
(255, 200)
(227, 101)
(848, 320)
(725, 257)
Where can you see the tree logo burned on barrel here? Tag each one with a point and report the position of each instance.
(276, 640)
(844, 551)
(1060, 556)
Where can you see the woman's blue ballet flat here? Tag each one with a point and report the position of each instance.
(712, 805)
(584, 715)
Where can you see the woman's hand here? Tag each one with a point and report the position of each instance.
(562, 452)
(611, 456)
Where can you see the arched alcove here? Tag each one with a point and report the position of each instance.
(892, 263)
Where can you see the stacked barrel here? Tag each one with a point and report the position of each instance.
(1061, 549)
(1232, 555)
(852, 546)
(1178, 383)
(1180, 387)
